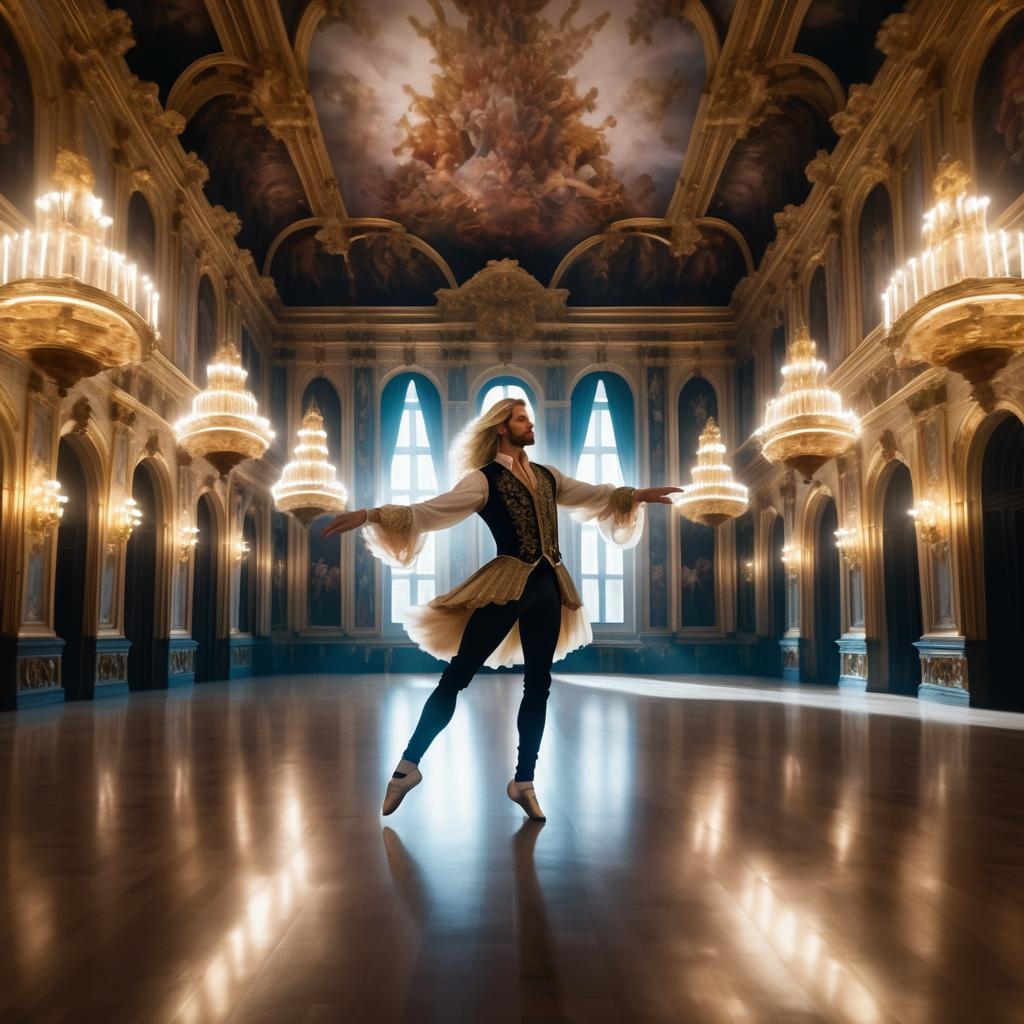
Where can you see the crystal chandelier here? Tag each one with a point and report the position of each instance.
(70, 303)
(308, 487)
(958, 303)
(714, 496)
(806, 425)
(224, 427)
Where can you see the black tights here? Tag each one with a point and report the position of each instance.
(539, 611)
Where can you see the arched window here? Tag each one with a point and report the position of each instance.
(603, 444)
(506, 387)
(412, 446)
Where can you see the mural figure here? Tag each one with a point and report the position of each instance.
(877, 255)
(251, 172)
(511, 129)
(632, 269)
(168, 38)
(999, 118)
(841, 34)
(17, 125)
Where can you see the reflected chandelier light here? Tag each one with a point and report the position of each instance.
(308, 487)
(224, 427)
(806, 425)
(714, 496)
(960, 302)
(70, 303)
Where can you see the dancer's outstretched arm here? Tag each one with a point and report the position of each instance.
(396, 533)
(617, 511)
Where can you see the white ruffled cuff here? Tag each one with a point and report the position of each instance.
(621, 520)
(393, 539)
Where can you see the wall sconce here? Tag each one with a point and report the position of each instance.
(241, 550)
(932, 522)
(748, 572)
(791, 560)
(45, 509)
(123, 521)
(188, 538)
(848, 543)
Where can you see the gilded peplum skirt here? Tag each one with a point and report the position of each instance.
(437, 627)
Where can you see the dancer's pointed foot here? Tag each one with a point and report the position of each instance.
(525, 795)
(397, 788)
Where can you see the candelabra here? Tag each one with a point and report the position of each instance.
(932, 524)
(45, 510)
(188, 538)
(224, 426)
(848, 543)
(70, 303)
(958, 304)
(308, 487)
(123, 521)
(791, 561)
(806, 425)
(714, 496)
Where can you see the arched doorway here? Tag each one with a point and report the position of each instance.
(778, 585)
(69, 598)
(140, 585)
(204, 592)
(902, 584)
(827, 618)
(1002, 501)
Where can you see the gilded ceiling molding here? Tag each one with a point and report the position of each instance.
(857, 114)
(504, 302)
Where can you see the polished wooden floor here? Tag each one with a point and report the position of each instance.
(716, 850)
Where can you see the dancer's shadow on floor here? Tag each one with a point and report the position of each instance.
(540, 982)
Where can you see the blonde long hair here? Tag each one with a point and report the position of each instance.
(477, 443)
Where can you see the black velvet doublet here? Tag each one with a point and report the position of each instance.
(524, 525)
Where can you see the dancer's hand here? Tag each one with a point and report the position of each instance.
(657, 495)
(345, 522)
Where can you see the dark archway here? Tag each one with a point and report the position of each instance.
(745, 622)
(902, 584)
(247, 577)
(69, 600)
(780, 619)
(140, 586)
(827, 618)
(1002, 498)
(204, 593)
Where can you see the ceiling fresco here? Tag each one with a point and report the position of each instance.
(841, 34)
(168, 38)
(509, 129)
(17, 122)
(765, 171)
(628, 270)
(378, 270)
(251, 173)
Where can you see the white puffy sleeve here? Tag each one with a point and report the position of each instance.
(618, 515)
(402, 531)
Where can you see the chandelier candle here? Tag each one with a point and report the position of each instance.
(308, 487)
(714, 496)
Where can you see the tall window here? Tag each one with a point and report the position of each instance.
(496, 392)
(412, 479)
(601, 564)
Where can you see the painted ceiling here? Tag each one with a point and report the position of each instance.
(458, 131)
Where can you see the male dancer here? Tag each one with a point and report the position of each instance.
(520, 608)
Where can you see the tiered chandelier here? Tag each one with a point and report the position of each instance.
(71, 304)
(806, 425)
(714, 496)
(308, 487)
(959, 303)
(225, 426)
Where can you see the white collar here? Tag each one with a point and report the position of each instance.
(507, 460)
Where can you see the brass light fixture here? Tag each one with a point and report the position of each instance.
(241, 550)
(123, 520)
(806, 425)
(70, 303)
(748, 572)
(225, 426)
(308, 486)
(188, 538)
(848, 543)
(932, 522)
(960, 303)
(791, 561)
(714, 496)
(45, 510)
